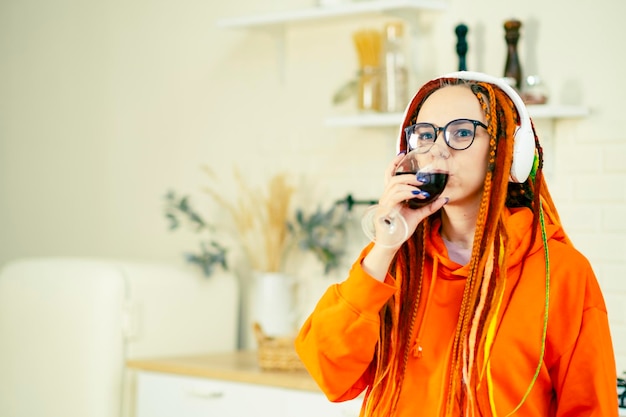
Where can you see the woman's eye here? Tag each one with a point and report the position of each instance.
(425, 136)
(463, 134)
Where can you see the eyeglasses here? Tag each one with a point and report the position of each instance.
(459, 134)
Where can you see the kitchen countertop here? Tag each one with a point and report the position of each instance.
(239, 366)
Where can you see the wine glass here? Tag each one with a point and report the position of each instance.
(385, 225)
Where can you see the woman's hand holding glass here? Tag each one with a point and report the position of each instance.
(413, 184)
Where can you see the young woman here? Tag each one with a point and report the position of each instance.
(486, 309)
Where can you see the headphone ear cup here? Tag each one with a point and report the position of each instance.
(524, 138)
(523, 153)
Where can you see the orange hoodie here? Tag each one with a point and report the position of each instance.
(577, 376)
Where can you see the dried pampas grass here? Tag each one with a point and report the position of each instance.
(261, 219)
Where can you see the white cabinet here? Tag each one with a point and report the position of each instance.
(169, 395)
(312, 404)
(163, 395)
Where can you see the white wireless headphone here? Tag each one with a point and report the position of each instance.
(524, 142)
(524, 139)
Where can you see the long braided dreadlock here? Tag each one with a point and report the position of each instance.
(485, 284)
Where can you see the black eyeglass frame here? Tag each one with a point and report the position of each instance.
(409, 129)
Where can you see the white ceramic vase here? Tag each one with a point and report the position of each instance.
(273, 303)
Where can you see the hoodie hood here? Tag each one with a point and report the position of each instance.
(518, 222)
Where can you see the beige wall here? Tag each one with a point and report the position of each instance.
(104, 106)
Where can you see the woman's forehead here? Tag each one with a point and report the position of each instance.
(449, 103)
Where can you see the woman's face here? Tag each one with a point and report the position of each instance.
(469, 166)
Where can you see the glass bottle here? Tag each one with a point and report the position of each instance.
(534, 90)
(368, 45)
(394, 80)
(512, 68)
(461, 45)
(369, 89)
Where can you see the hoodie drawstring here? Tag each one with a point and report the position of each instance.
(417, 347)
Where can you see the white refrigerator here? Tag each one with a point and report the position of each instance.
(68, 325)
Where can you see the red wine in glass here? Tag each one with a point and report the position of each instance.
(434, 184)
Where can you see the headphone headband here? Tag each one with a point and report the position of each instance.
(524, 142)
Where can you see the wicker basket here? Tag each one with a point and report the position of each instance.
(276, 353)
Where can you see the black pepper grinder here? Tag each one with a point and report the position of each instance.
(512, 68)
(461, 45)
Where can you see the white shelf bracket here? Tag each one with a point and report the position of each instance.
(280, 34)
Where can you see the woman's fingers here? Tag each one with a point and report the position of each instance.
(391, 168)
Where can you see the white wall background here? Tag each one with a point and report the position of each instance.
(104, 106)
